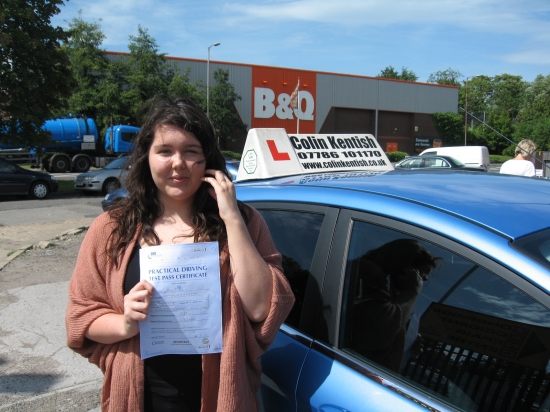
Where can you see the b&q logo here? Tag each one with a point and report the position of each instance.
(265, 106)
(271, 91)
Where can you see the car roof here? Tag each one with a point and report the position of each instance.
(512, 206)
(427, 156)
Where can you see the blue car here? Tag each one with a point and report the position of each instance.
(414, 291)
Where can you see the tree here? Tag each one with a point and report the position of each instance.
(88, 65)
(497, 100)
(534, 115)
(35, 79)
(180, 86)
(148, 72)
(390, 73)
(223, 114)
(450, 127)
(447, 77)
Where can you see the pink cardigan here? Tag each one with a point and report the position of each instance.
(230, 379)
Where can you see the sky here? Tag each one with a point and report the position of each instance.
(360, 37)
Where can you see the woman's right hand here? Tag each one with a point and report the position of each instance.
(136, 306)
(115, 327)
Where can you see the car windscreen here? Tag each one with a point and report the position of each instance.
(455, 161)
(117, 163)
(536, 246)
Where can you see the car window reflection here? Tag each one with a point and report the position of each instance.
(470, 338)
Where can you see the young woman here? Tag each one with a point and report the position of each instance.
(179, 191)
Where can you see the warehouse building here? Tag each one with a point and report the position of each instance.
(397, 113)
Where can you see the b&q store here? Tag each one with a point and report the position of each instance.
(397, 113)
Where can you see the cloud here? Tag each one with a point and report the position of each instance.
(485, 15)
(537, 57)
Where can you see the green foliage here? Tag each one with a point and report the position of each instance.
(499, 119)
(148, 73)
(390, 73)
(510, 151)
(111, 91)
(450, 127)
(233, 155)
(396, 156)
(35, 78)
(497, 101)
(88, 65)
(223, 113)
(447, 77)
(499, 158)
(534, 115)
(180, 86)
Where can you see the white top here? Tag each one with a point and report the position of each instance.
(518, 167)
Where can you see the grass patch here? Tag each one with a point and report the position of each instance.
(66, 186)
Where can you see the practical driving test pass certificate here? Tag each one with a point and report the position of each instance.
(185, 316)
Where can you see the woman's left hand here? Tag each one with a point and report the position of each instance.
(223, 191)
(251, 274)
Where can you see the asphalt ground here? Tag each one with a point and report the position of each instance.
(38, 372)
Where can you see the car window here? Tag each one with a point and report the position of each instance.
(128, 136)
(536, 246)
(436, 162)
(295, 234)
(412, 163)
(118, 163)
(7, 167)
(443, 324)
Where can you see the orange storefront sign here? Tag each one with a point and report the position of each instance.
(271, 91)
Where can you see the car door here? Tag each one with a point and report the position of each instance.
(477, 337)
(302, 234)
(11, 180)
(299, 369)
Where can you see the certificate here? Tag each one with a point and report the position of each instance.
(185, 316)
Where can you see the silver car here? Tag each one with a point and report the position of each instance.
(105, 180)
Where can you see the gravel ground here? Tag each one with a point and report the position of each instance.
(39, 266)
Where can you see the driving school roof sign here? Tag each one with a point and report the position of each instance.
(272, 152)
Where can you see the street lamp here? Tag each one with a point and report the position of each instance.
(208, 80)
(466, 111)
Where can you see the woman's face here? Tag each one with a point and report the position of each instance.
(177, 164)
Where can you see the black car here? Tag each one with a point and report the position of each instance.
(434, 162)
(16, 181)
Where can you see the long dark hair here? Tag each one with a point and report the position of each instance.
(142, 207)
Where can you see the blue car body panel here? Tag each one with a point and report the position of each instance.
(483, 211)
(490, 202)
(325, 379)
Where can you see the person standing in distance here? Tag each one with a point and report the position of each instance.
(179, 191)
(522, 164)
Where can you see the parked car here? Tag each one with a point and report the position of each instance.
(105, 180)
(476, 336)
(232, 168)
(433, 162)
(17, 181)
(472, 156)
(423, 290)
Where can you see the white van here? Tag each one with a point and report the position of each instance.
(476, 156)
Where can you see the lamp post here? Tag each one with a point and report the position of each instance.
(466, 111)
(208, 80)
